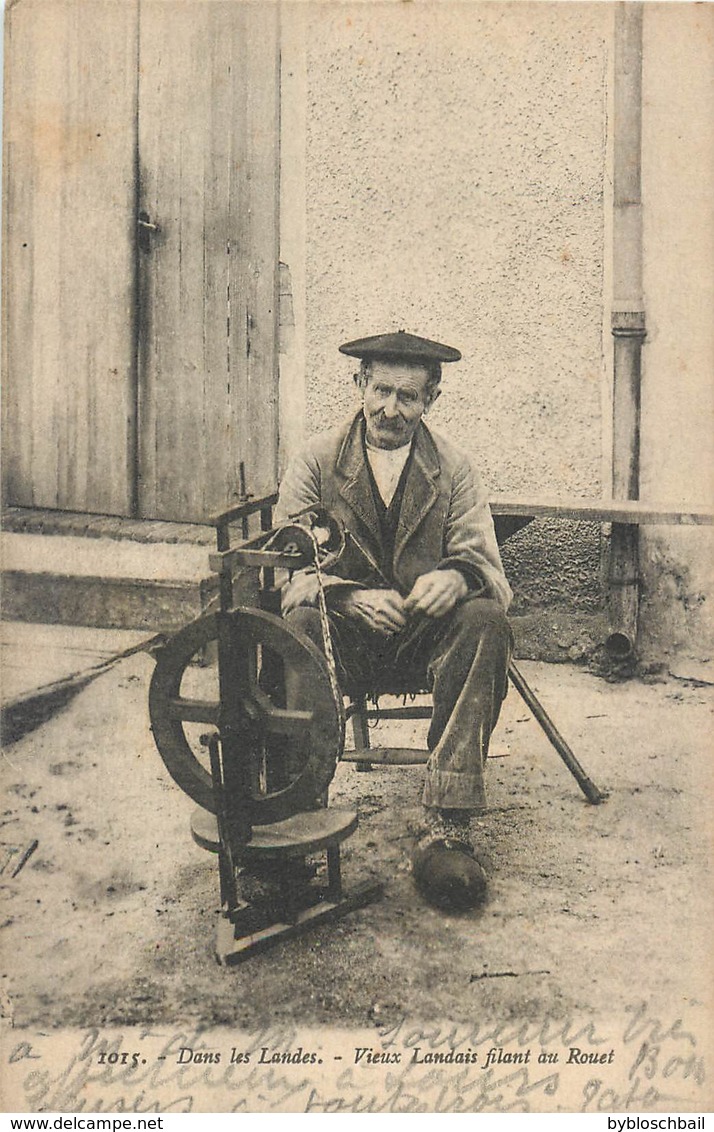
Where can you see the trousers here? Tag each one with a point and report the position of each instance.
(461, 658)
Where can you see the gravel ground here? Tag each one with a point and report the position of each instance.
(597, 915)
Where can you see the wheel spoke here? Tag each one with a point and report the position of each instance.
(287, 721)
(275, 720)
(193, 711)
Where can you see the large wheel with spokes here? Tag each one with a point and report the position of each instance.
(292, 740)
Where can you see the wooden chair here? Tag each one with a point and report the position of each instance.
(359, 712)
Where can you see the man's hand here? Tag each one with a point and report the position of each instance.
(382, 610)
(435, 594)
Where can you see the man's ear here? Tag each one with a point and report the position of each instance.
(359, 381)
(434, 397)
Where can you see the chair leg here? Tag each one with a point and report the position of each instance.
(593, 794)
(360, 732)
(360, 728)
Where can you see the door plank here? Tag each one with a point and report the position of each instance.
(68, 261)
(262, 158)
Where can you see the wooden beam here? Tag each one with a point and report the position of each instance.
(629, 512)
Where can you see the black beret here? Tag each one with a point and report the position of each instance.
(400, 346)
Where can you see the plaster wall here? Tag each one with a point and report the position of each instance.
(677, 441)
(453, 185)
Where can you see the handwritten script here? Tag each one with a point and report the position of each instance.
(640, 1062)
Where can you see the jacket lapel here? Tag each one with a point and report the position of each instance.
(420, 491)
(354, 483)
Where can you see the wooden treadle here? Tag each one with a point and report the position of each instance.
(232, 949)
(249, 928)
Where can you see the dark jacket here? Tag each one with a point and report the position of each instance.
(444, 519)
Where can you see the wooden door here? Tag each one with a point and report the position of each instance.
(69, 202)
(142, 198)
(208, 129)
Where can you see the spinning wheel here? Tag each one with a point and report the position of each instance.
(277, 729)
(287, 755)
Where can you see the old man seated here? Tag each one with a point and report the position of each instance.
(419, 596)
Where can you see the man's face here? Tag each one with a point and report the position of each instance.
(394, 400)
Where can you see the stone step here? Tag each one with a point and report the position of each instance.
(44, 521)
(104, 582)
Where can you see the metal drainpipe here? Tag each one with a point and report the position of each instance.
(628, 324)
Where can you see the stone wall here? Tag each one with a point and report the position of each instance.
(447, 170)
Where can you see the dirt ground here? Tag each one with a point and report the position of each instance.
(592, 909)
